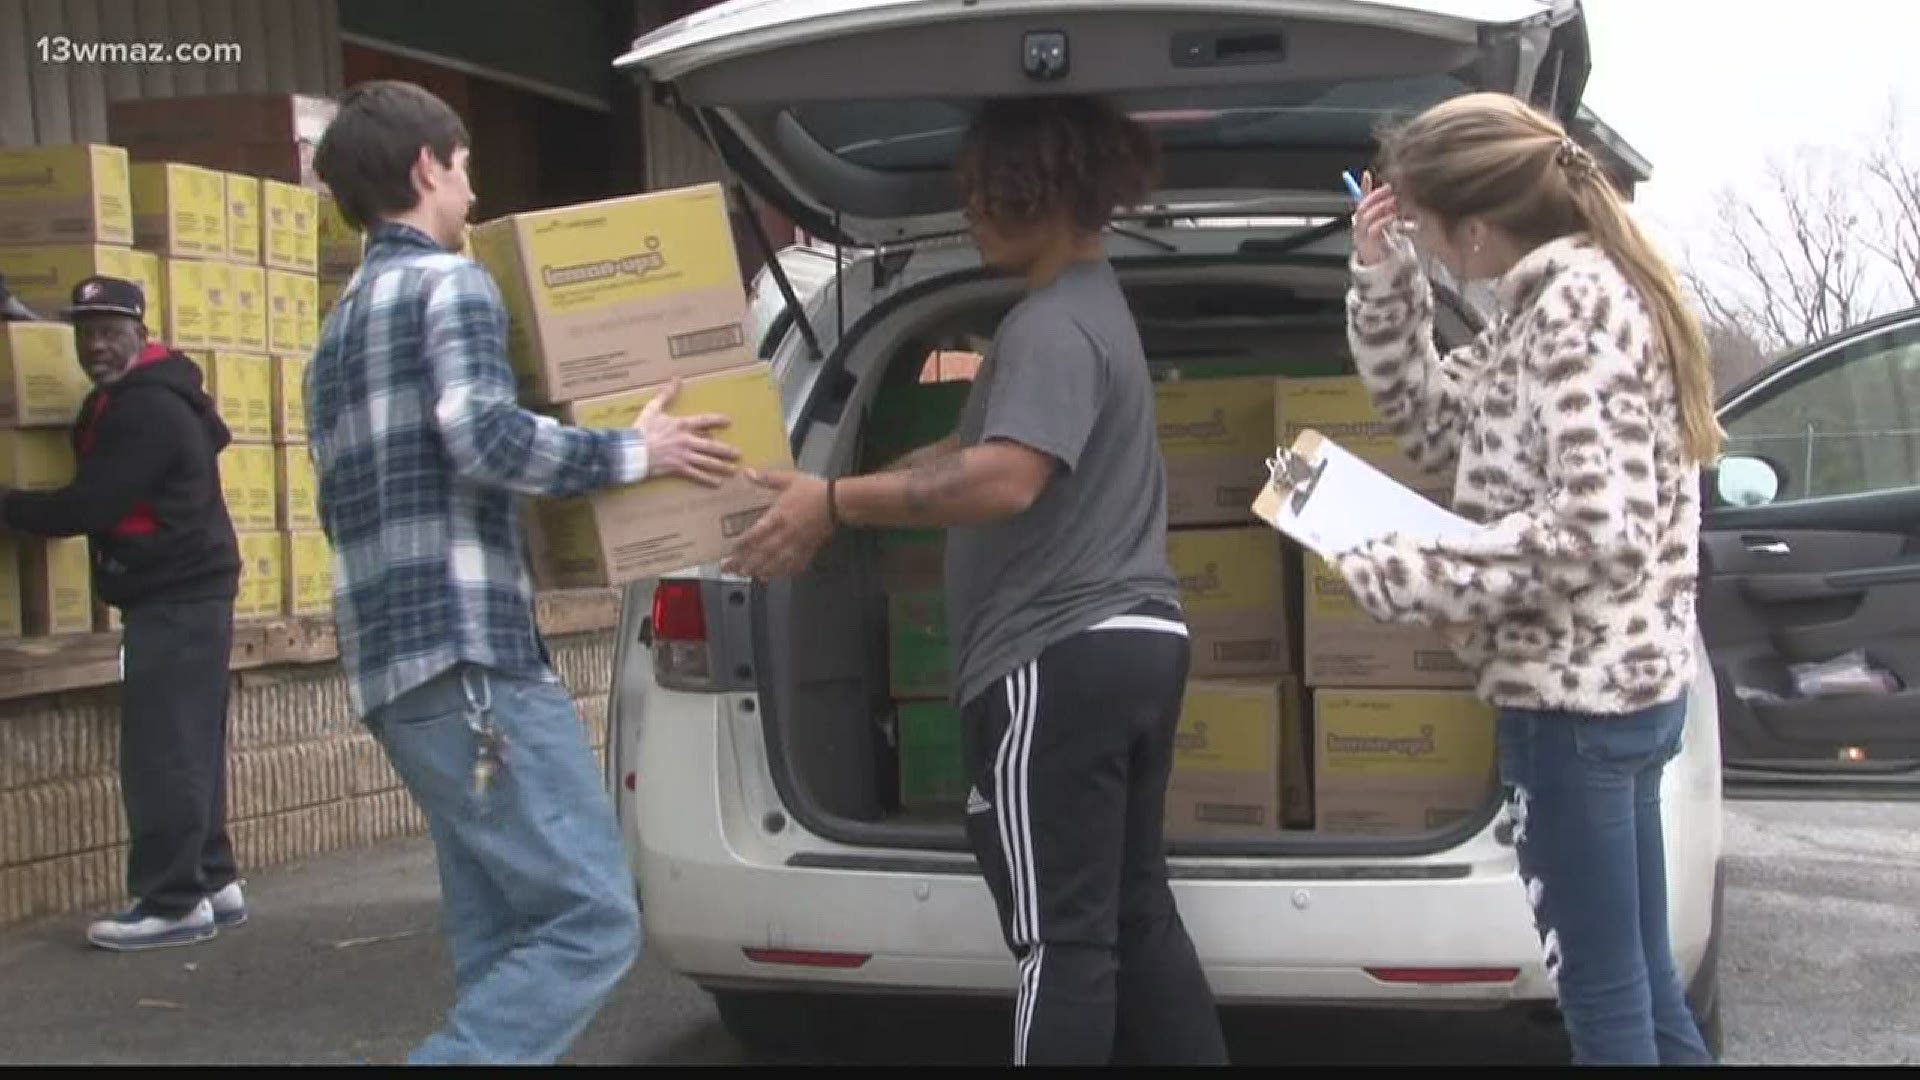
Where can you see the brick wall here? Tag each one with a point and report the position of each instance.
(304, 778)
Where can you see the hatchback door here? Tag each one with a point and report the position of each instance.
(847, 114)
(1811, 595)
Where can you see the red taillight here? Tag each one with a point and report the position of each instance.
(1445, 976)
(678, 612)
(801, 958)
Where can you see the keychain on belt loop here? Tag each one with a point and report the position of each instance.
(490, 749)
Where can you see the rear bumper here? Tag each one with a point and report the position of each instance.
(716, 861)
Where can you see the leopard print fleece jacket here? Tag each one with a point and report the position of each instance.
(1562, 422)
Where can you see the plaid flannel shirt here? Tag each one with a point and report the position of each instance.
(421, 449)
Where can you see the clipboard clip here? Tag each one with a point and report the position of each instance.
(1294, 476)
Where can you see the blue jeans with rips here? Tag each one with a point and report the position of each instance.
(1586, 802)
(538, 901)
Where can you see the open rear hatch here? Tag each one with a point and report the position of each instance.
(847, 115)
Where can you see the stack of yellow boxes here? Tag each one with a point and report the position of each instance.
(1401, 744)
(608, 301)
(65, 215)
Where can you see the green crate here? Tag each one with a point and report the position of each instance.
(904, 419)
(920, 661)
(931, 770)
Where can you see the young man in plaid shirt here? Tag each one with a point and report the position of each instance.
(421, 450)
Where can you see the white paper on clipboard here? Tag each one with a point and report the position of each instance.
(1332, 502)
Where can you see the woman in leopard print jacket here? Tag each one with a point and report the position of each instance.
(1576, 426)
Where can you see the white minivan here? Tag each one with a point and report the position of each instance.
(752, 723)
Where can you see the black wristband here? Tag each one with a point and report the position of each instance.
(833, 511)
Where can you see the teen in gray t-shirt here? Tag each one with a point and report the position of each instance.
(1066, 376)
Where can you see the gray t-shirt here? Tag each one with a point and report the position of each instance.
(1066, 376)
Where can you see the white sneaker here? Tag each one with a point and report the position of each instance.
(131, 930)
(229, 906)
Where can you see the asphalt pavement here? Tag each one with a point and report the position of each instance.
(343, 964)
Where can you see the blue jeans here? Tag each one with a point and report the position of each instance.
(1586, 803)
(539, 904)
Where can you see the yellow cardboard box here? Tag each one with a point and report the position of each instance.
(73, 194)
(250, 309)
(43, 277)
(290, 231)
(341, 245)
(38, 459)
(41, 384)
(1347, 648)
(180, 211)
(187, 316)
(223, 307)
(56, 586)
(242, 389)
(243, 219)
(298, 487)
(309, 573)
(327, 295)
(1216, 435)
(664, 524)
(293, 320)
(249, 481)
(12, 623)
(613, 295)
(1228, 755)
(1233, 588)
(1400, 762)
(289, 399)
(1341, 409)
(262, 576)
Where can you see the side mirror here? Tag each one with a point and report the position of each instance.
(1743, 481)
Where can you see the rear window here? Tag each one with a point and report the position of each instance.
(924, 135)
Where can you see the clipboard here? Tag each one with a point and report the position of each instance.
(1331, 501)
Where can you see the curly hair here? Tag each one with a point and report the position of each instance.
(1026, 159)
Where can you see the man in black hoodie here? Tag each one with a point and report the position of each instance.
(147, 496)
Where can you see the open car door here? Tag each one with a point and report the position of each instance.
(847, 114)
(1810, 598)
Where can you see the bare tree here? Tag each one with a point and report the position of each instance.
(1829, 240)
(1737, 354)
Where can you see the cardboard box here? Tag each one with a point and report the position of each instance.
(289, 162)
(249, 481)
(12, 622)
(290, 227)
(73, 194)
(250, 309)
(1227, 757)
(298, 488)
(43, 277)
(180, 211)
(243, 219)
(341, 245)
(912, 560)
(932, 769)
(641, 530)
(262, 576)
(187, 314)
(919, 658)
(41, 384)
(613, 295)
(290, 118)
(1216, 436)
(1233, 588)
(107, 618)
(293, 319)
(327, 295)
(223, 308)
(309, 573)
(39, 459)
(1400, 762)
(1346, 647)
(56, 586)
(1341, 409)
(290, 399)
(242, 390)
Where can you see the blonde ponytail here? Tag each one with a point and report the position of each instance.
(1491, 156)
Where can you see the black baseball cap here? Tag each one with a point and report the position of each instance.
(108, 296)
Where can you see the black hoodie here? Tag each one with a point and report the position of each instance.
(147, 490)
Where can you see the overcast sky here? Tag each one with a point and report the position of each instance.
(1708, 89)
